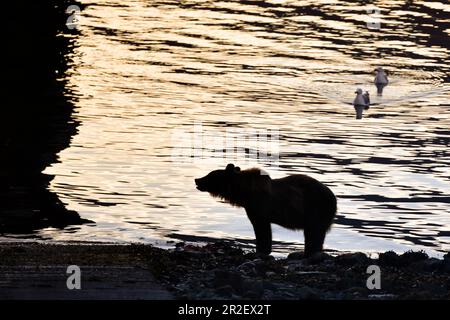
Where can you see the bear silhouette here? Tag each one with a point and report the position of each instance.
(296, 202)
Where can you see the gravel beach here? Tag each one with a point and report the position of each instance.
(218, 270)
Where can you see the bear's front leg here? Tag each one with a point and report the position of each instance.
(263, 234)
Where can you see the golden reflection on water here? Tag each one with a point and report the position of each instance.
(145, 70)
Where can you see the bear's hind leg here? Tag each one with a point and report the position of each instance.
(314, 239)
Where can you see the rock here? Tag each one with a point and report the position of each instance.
(294, 267)
(247, 268)
(356, 291)
(268, 295)
(224, 277)
(259, 256)
(389, 258)
(428, 265)
(306, 293)
(436, 289)
(225, 291)
(347, 281)
(351, 259)
(295, 262)
(296, 256)
(418, 266)
(410, 257)
(252, 295)
(445, 266)
(262, 266)
(285, 294)
(268, 258)
(179, 246)
(310, 273)
(433, 264)
(269, 285)
(224, 248)
(254, 268)
(255, 286)
(319, 257)
(270, 274)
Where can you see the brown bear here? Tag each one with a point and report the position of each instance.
(294, 202)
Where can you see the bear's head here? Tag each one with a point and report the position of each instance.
(217, 182)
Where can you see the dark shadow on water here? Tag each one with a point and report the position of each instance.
(36, 115)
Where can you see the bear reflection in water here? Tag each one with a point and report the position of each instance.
(294, 202)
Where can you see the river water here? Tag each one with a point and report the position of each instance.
(159, 87)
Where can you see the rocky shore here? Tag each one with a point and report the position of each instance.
(223, 271)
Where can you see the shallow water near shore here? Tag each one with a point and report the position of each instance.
(144, 72)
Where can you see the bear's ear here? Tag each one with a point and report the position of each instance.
(237, 169)
(229, 167)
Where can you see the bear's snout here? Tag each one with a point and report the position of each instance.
(199, 184)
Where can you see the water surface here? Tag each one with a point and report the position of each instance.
(145, 71)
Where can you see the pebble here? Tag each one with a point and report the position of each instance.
(349, 259)
(306, 293)
(295, 256)
(389, 258)
(225, 291)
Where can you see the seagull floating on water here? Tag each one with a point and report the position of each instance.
(366, 97)
(381, 80)
(361, 102)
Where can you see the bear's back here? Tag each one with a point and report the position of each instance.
(307, 188)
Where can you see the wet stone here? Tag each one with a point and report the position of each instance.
(296, 256)
(389, 258)
(225, 291)
(349, 259)
(223, 278)
(306, 293)
(410, 257)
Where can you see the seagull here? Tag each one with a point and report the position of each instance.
(381, 80)
(361, 102)
(366, 97)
